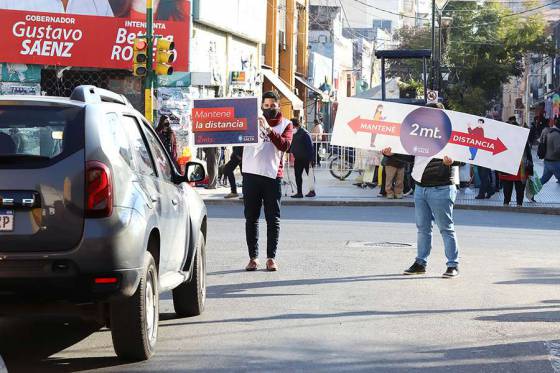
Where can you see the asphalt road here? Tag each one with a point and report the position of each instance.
(339, 302)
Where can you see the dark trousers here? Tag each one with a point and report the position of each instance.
(485, 182)
(229, 169)
(299, 167)
(259, 190)
(212, 166)
(508, 190)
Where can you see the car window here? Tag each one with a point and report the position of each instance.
(140, 153)
(114, 139)
(40, 130)
(160, 157)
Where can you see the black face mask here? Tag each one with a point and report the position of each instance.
(270, 113)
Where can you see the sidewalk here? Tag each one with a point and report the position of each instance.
(333, 192)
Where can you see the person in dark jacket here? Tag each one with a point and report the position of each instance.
(229, 169)
(434, 199)
(551, 136)
(303, 152)
(167, 136)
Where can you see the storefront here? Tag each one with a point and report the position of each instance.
(51, 49)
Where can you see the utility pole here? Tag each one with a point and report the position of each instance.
(432, 70)
(149, 80)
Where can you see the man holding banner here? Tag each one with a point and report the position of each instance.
(432, 139)
(262, 175)
(434, 198)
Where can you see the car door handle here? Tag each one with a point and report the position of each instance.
(174, 202)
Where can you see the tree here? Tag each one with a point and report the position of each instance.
(484, 49)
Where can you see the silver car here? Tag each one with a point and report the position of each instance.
(94, 217)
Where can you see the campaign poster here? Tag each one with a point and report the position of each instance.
(88, 33)
(429, 132)
(222, 122)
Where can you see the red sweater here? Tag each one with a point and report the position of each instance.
(477, 132)
(282, 142)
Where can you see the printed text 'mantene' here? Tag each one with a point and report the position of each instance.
(381, 128)
(213, 113)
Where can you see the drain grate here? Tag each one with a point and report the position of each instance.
(384, 244)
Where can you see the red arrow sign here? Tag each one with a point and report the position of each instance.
(482, 143)
(374, 126)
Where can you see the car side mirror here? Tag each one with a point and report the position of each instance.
(194, 172)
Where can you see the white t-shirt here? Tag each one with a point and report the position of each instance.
(264, 159)
(83, 7)
(420, 164)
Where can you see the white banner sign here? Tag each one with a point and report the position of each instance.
(423, 131)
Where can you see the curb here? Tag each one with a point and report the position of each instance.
(369, 203)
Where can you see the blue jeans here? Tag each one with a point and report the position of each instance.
(436, 203)
(550, 168)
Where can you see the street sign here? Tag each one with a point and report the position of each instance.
(440, 4)
(222, 122)
(429, 132)
(432, 96)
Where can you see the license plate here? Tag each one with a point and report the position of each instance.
(6, 221)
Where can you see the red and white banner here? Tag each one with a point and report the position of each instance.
(63, 39)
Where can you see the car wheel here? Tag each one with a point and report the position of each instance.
(134, 320)
(189, 298)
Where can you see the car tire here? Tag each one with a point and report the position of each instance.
(189, 298)
(134, 320)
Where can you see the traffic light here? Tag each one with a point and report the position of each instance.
(140, 57)
(165, 55)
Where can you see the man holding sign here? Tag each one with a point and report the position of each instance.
(262, 175)
(434, 198)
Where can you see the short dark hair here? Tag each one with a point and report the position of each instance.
(270, 94)
(436, 105)
(295, 122)
(481, 120)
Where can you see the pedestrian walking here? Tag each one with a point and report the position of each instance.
(262, 175)
(302, 150)
(394, 181)
(212, 166)
(229, 170)
(167, 137)
(317, 135)
(434, 199)
(519, 180)
(550, 148)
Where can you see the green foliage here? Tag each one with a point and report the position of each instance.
(411, 89)
(483, 49)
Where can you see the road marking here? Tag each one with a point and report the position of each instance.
(554, 351)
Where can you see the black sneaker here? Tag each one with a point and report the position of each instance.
(415, 269)
(298, 195)
(451, 272)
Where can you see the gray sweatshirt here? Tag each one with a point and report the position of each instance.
(552, 135)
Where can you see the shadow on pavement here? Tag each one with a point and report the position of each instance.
(535, 276)
(548, 316)
(26, 344)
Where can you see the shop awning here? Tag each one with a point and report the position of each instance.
(297, 104)
(324, 96)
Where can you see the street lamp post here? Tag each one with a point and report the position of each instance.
(437, 6)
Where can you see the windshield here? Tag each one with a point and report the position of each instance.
(42, 132)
